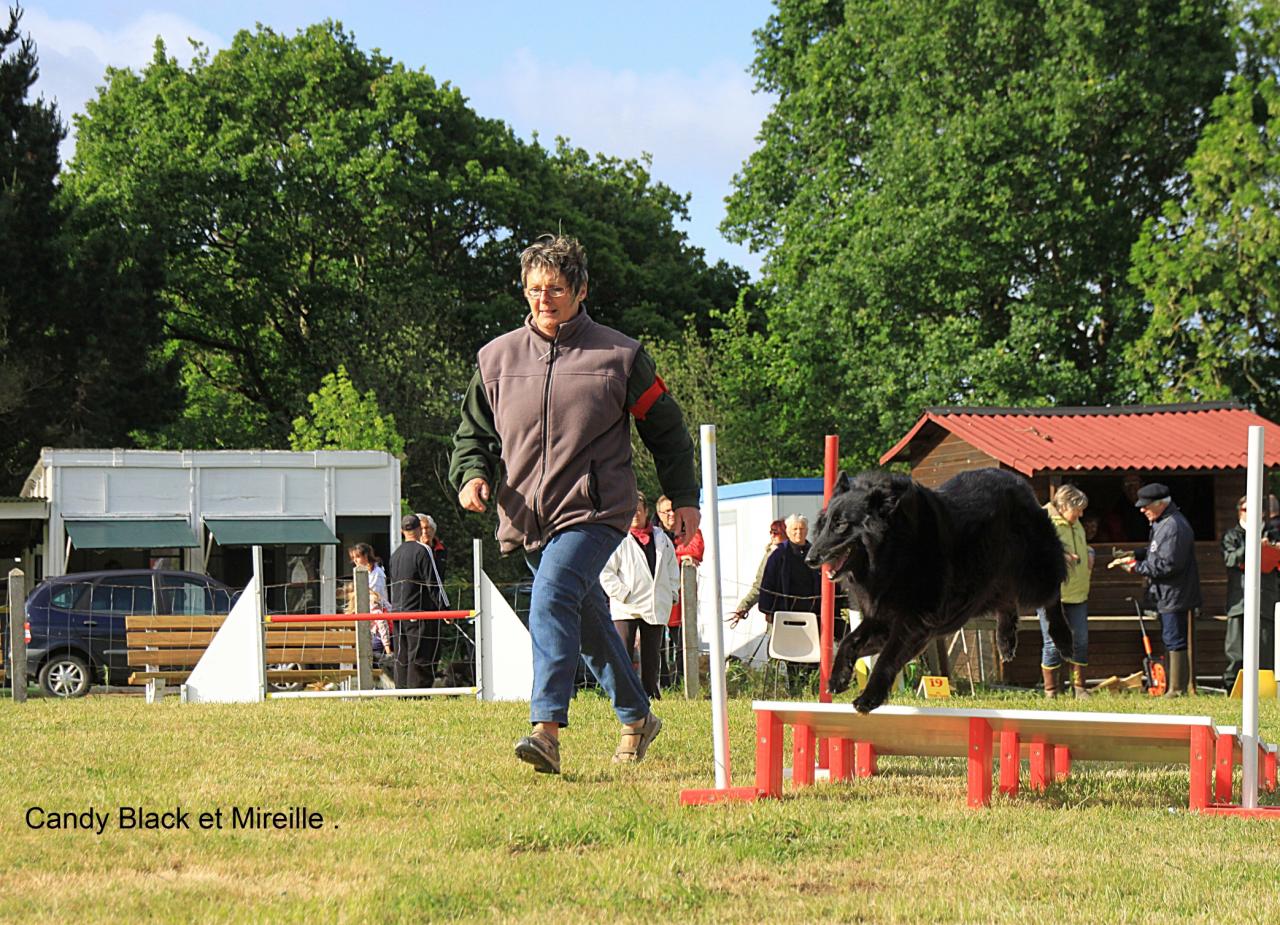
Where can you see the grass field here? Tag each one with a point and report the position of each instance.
(428, 817)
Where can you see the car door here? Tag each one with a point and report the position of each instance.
(114, 598)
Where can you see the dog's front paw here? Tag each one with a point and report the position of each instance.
(1008, 647)
(869, 700)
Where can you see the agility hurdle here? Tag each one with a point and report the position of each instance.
(232, 668)
(1049, 741)
(320, 619)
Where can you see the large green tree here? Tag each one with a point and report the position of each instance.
(318, 206)
(948, 193)
(1210, 264)
(79, 309)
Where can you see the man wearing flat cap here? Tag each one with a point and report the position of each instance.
(1169, 565)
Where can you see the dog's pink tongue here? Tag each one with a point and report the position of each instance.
(833, 567)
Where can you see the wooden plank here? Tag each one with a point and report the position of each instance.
(313, 655)
(932, 731)
(276, 676)
(190, 639)
(173, 622)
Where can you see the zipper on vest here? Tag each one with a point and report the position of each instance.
(546, 407)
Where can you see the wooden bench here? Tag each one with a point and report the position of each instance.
(1049, 741)
(166, 648)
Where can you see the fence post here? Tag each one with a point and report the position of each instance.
(364, 643)
(689, 630)
(17, 635)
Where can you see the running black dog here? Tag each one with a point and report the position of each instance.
(921, 563)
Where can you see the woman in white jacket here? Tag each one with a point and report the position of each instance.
(642, 580)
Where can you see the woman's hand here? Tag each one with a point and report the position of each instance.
(473, 496)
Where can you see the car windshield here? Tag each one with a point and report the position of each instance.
(186, 596)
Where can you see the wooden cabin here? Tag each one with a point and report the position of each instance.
(1199, 450)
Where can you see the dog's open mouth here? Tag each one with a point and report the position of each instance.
(833, 566)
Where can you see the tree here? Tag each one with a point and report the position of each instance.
(1209, 265)
(318, 206)
(343, 419)
(78, 306)
(949, 193)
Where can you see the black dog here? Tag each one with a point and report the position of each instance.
(921, 563)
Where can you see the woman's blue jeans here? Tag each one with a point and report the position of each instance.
(568, 615)
(1078, 619)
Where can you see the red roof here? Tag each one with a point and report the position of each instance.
(1150, 437)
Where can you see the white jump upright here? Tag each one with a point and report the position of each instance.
(233, 669)
(1255, 499)
(711, 538)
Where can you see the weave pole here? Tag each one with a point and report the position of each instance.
(723, 791)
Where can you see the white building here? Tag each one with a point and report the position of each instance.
(201, 510)
(746, 510)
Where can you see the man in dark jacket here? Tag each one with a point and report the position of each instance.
(414, 588)
(546, 432)
(1233, 550)
(1169, 565)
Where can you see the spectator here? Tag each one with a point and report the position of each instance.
(1064, 511)
(363, 556)
(642, 581)
(415, 643)
(1169, 565)
(777, 536)
(789, 584)
(562, 450)
(687, 554)
(1233, 550)
(431, 539)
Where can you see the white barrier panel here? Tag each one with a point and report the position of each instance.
(507, 650)
(233, 669)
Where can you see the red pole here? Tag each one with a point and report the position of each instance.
(827, 627)
(357, 617)
(827, 621)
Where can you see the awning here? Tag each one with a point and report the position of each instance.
(130, 534)
(263, 532)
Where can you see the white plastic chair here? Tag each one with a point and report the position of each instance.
(795, 637)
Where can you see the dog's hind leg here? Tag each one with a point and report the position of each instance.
(868, 639)
(903, 645)
(1007, 633)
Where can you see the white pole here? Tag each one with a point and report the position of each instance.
(1254, 499)
(260, 635)
(711, 537)
(484, 623)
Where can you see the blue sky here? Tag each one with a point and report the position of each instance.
(667, 78)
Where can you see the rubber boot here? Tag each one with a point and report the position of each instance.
(1050, 682)
(1077, 682)
(1177, 664)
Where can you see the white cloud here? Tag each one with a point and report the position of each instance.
(74, 55)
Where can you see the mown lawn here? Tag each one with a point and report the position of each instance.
(428, 817)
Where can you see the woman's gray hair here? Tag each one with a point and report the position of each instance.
(557, 254)
(1068, 496)
(793, 519)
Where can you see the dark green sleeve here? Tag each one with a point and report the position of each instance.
(477, 449)
(662, 429)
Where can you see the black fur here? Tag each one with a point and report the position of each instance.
(921, 563)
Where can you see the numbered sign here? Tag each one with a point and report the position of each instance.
(935, 686)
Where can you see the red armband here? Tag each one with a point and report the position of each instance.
(646, 400)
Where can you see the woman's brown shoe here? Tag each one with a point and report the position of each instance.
(541, 751)
(635, 742)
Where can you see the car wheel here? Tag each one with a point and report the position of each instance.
(65, 676)
(285, 686)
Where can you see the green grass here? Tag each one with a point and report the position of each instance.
(429, 817)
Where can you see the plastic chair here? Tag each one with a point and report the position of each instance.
(795, 637)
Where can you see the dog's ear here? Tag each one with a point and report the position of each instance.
(841, 486)
(887, 499)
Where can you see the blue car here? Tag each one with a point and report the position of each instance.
(77, 631)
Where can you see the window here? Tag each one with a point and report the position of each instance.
(185, 597)
(64, 597)
(123, 595)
